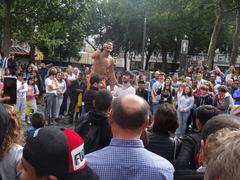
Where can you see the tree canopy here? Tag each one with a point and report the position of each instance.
(53, 26)
(58, 27)
(168, 22)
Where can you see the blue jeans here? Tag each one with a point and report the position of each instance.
(182, 119)
(50, 106)
(155, 107)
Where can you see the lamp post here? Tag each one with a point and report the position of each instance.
(183, 56)
(143, 41)
(175, 49)
(145, 65)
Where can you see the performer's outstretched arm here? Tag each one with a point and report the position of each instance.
(96, 54)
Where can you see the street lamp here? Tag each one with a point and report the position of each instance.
(175, 53)
(143, 41)
(147, 44)
(184, 53)
(185, 36)
(175, 39)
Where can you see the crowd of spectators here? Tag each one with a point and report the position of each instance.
(162, 127)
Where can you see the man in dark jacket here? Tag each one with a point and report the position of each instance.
(141, 91)
(188, 157)
(43, 72)
(90, 94)
(12, 65)
(78, 86)
(93, 126)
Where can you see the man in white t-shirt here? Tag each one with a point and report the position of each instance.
(112, 88)
(126, 87)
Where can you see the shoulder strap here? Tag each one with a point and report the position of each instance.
(193, 138)
(175, 150)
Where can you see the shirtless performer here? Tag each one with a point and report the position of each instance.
(103, 63)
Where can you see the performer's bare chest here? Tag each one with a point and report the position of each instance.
(103, 63)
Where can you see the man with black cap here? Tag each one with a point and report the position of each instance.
(78, 86)
(54, 153)
(141, 91)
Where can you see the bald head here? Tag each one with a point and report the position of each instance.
(130, 111)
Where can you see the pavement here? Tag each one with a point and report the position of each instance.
(63, 122)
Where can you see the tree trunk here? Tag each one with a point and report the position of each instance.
(164, 60)
(214, 38)
(7, 27)
(32, 53)
(235, 43)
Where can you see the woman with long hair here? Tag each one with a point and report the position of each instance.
(38, 81)
(11, 139)
(230, 73)
(185, 104)
(62, 87)
(28, 73)
(167, 92)
(64, 106)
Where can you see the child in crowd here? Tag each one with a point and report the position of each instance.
(37, 121)
(22, 89)
(204, 98)
(31, 97)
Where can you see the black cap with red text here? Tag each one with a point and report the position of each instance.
(58, 152)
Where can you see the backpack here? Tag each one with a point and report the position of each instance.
(190, 145)
(89, 132)
(195, 160)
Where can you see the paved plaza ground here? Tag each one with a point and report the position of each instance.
(64, 122)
